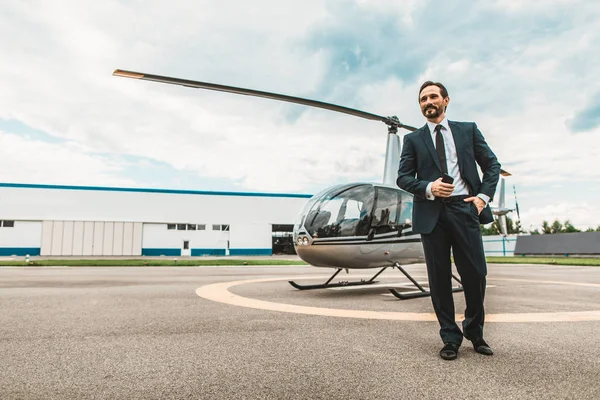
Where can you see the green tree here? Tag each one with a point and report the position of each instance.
(489, 230)
(494, 228)
(568, 228)
(546, 228)
(558, 227)
(518, 228)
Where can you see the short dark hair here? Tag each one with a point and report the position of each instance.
(443, 90)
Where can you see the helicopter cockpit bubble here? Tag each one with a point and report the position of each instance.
(309, 205)
(356, 210)
(341, 212)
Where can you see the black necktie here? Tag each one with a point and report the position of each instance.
(439, 147)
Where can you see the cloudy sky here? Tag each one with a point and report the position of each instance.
(525, 71)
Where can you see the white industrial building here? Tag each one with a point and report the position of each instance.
(51, 220)
(56, 220)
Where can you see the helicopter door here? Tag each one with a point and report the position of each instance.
(387, 211)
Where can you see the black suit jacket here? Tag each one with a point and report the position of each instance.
(419, 165)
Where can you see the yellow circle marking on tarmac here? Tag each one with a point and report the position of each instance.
(219, 292)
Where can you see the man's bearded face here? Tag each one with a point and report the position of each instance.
(432, 103)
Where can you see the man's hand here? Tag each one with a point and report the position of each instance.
(441, 189)
(479, 203)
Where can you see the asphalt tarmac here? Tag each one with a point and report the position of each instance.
(245, 333)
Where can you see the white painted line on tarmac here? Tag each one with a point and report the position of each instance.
(219, 292)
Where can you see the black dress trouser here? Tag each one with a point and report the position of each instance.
(458, 229)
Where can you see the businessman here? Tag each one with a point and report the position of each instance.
(448, 215)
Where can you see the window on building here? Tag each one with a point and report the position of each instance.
(194, 227)
(224, 227)
(8, 224)
(216, 227)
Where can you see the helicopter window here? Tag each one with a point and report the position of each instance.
(405, 218)
(345, 214)
(351, 209)
(387, 210)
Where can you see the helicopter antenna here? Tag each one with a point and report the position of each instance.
(516, 202)
(392, 122)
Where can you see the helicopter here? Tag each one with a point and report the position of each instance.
(360, 225)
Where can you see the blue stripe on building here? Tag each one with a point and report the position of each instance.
(149, 190)
(161, 252)
(19, 251)
(207, 252)
(251, 252)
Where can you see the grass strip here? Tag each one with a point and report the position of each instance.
(241, 262)
(594, 262)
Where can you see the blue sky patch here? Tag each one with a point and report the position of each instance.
(588, 118)
(24, 130)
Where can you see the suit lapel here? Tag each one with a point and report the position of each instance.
(426, 136)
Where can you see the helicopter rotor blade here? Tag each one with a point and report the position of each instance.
(251, 92)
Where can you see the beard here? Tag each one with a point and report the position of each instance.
(432, 112)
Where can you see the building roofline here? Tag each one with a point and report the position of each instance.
(149, 190)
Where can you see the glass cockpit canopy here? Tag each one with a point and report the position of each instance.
(356, 209)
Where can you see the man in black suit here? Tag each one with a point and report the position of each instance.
(448, 215)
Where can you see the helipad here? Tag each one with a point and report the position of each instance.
(220, 292)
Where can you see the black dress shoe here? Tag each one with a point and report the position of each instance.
(482, 347)
(449, 351)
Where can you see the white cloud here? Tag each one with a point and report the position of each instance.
(529, 5)
(33, 161)
(405, 9)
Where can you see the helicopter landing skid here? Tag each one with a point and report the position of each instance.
(421, 292)
(337, 284)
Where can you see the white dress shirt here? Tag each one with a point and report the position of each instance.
(460, 187)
